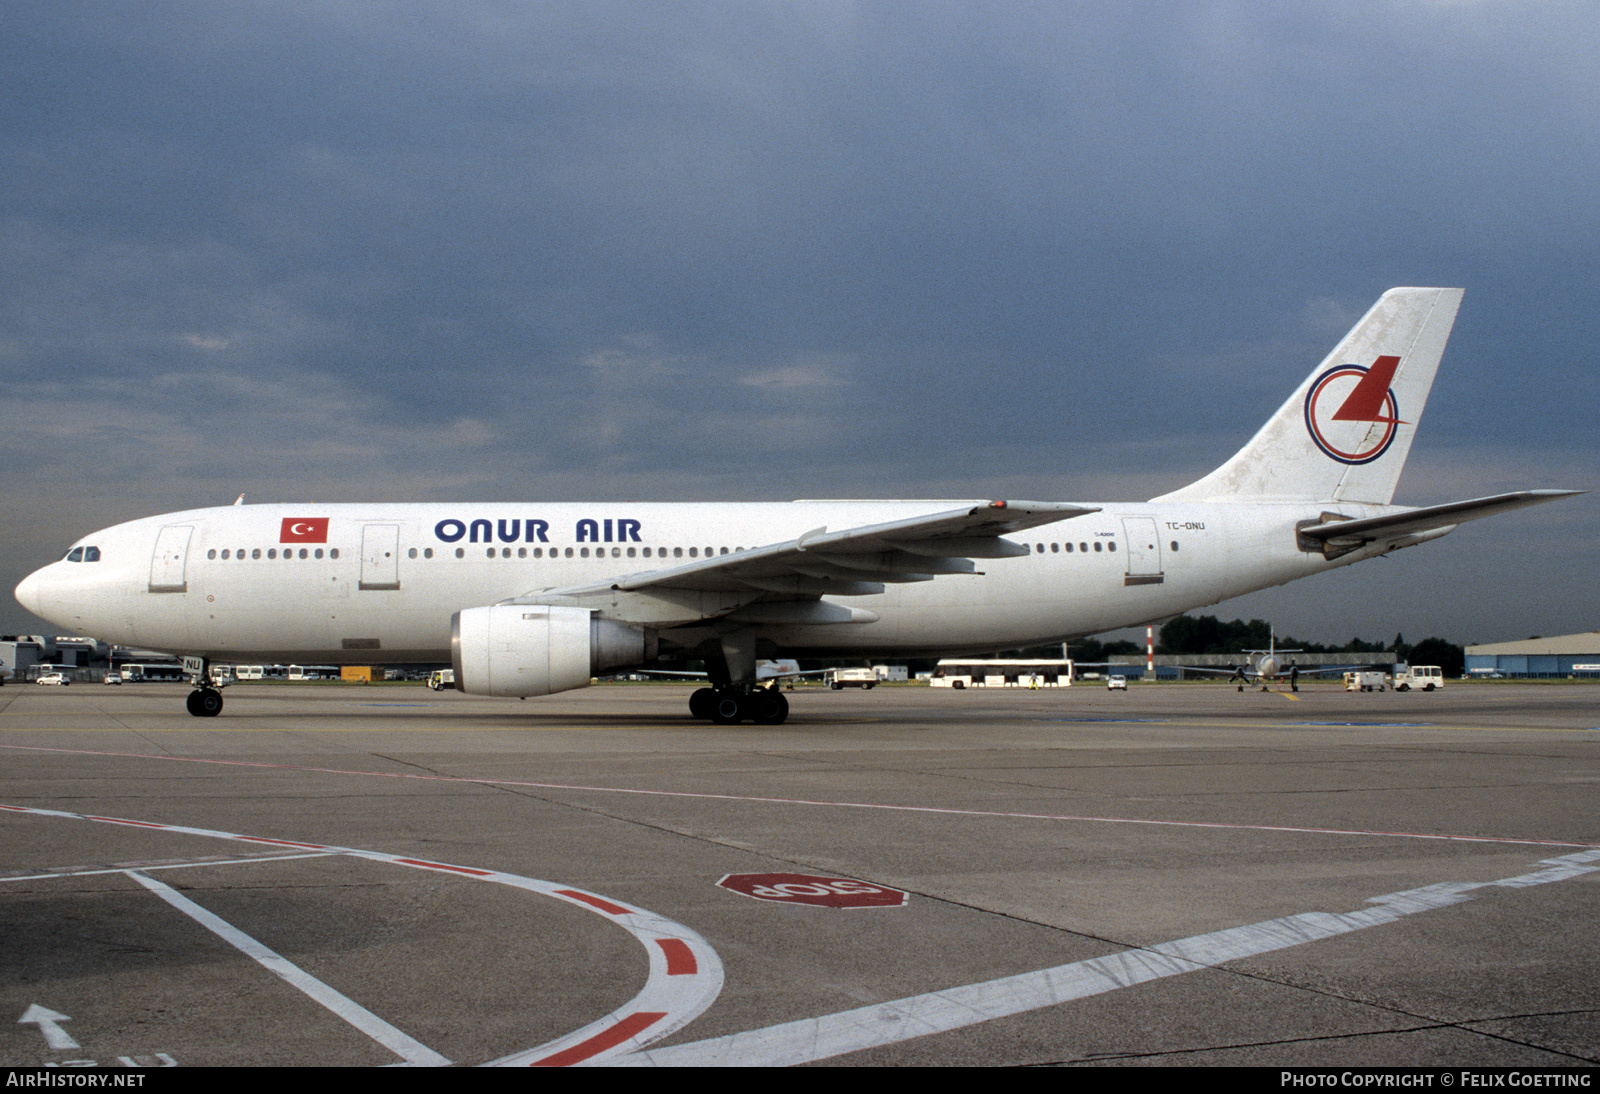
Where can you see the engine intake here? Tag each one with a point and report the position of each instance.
(518, 649)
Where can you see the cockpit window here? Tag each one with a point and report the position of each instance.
(75, 555)
(91, 554)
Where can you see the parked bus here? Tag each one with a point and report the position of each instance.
(1012, 672)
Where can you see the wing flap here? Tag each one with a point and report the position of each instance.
(849, 562)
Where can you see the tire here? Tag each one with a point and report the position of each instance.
(1427, 687)
(729, 709)
(703, 703)
(836, 686)
(204, 703)
(768, 707)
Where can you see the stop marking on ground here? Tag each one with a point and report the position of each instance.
(822, 892)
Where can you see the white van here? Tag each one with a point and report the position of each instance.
(1422, 677)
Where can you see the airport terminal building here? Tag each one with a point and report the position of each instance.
(1562, 656)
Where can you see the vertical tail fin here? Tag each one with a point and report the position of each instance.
(1345, 432)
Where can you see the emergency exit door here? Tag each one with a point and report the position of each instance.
(380, 556)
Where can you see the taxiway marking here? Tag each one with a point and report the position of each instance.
(932, 810)
(937, 1012)
(401, 1044)
(685, 974)
(49, 1023)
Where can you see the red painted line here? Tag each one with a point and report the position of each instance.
(284, 843)
(593, 901)
(16, 808)
(444, 866)
(609, 1038)
(930, 809)
(133, 823)
(680, 958)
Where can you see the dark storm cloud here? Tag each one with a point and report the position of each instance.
(412, 250)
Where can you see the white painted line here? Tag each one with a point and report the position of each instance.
(402, 1045)
(86, 872)
(938, 1012)
(807, 802)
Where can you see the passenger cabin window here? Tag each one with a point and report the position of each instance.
(209, 554)
(1098, 546)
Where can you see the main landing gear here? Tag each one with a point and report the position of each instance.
(732, 703)
(205, 702)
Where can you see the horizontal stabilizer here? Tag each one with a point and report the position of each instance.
(1354, 533)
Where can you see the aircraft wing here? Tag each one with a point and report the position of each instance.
(783, 582)
(1347, 535)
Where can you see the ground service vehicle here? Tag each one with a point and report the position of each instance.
(1419, 677)
(1365, 681)
(851, 678)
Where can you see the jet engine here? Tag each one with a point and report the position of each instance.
(532, 649)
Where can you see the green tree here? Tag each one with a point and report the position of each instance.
(1451, 658)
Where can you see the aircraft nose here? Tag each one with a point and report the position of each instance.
(30, 593)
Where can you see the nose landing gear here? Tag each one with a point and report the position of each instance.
(204, 702)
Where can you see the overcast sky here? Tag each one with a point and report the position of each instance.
(1079, 251)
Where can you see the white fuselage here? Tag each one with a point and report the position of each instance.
(384, 580)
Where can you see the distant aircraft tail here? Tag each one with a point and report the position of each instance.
(1345, 432)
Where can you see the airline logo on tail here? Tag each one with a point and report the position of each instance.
(1351, 411)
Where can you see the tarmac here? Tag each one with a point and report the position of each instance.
(1179, 874)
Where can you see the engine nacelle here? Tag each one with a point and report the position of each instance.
(517, 649)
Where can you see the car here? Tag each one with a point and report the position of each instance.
(1116, 683)
(53, 679)
(112, 678)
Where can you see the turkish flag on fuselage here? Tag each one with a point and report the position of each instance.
(304, 530)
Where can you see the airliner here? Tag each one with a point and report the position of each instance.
(528, 599)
